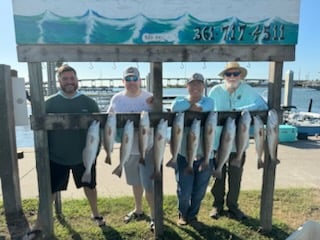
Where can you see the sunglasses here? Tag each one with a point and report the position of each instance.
(131, 78)
(229, 74)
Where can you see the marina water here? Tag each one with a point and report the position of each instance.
(300, 98)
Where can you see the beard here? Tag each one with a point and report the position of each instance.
(232, 85)
(69, 88)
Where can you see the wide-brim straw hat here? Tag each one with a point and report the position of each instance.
(234, 65)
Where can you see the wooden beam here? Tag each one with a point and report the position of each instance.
(45, 214)
(9, 171)
(269, 170)
(154, 53)
(61, 121)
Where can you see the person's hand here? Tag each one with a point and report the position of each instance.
(195, 108)
(149, 100)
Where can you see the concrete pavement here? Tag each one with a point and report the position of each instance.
(299, 167)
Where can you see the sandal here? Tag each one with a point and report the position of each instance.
(33, 234)
(133, 216)
(99, 220)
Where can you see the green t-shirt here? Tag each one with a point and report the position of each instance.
(65, 146)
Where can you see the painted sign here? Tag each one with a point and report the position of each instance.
(177, 22)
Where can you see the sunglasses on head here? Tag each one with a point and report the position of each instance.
(131, 78)
(229, 74)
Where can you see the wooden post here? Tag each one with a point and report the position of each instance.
(288, 89)
(156, 79)
(274, 98)
(41, 151)
(9, 171)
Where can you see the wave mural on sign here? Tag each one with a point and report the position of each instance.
(156, 22)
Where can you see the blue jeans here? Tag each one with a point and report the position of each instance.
(191, 188)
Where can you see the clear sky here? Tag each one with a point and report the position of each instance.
(306, 66)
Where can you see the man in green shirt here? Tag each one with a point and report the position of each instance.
(66, 146)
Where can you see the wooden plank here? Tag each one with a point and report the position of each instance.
(45, 214)
(9, 172)
(154, 53)
(269, 170)
(82, 121)
(156, 78)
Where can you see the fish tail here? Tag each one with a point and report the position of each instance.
(275, 162)
(108, 159)
(118, 171)
(188, 170)
(86, 177)
(172, 163)
(260, 163)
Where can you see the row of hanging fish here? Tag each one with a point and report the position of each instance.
(145, 138)
(231, 133)
(240, 134)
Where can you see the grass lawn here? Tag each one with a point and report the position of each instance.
(292, 207)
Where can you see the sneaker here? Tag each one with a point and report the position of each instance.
(151, 225)
(237, 214)
(133, 216)
(216, 213)
(182, 221)
(193, 222)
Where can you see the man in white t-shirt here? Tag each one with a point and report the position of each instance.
(134, 99)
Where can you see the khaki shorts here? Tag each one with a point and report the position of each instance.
(139, 174)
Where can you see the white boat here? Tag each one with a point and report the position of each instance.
(307, 123)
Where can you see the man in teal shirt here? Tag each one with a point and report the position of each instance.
(232, 95)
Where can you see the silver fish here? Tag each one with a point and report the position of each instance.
(259, 138)
(209, 136)
(242, 137)
(125, 147)
(273, 134)
(225, 147)
(89, 153)
(144, 128)
(192, 144)
(176, 138)
(109, 134)
(160, 140)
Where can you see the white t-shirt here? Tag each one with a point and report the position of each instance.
(122, 103)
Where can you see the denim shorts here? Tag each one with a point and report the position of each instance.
(139, 174)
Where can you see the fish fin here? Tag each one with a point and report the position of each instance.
(261, 132)
(172, 163)
(275, 162)
(109, 131)
(86, 177)
(188, 170)
(144, 131)
(108, 159)
(117, 171)
(217, 173)
(260, 163)
(142, 161)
